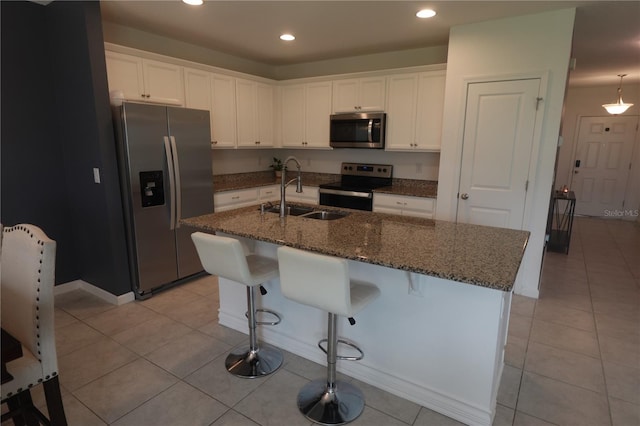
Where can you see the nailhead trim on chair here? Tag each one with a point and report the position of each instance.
(55, 373)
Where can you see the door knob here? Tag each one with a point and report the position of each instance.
(464, 196)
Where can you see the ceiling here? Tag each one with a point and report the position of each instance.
(606, 36)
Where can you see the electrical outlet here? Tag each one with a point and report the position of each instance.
(96, 175)
(418, 167)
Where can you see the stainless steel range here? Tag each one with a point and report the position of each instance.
(356, 185)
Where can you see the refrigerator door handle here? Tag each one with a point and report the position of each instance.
(176, 168)
(172, 183)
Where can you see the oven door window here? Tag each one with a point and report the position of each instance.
(346, 201)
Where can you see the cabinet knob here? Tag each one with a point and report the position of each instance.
(464, 196)
(214, 142)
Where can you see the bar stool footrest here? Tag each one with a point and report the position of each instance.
(266, 311)
(344, 342)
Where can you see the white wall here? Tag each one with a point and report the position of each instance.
(406, 165)
(539, 43)
(586, 101)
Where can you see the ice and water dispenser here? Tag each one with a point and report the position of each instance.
(152, 188)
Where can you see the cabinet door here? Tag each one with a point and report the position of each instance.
(401, 112)
(124, 73)
(359, 94)
(246, 109)
(318, 110)
(293, 122)
(388, 203)
(404, 205)
(163, 82)
(269, 193)
(371, 94)
(345, 95)
(266, 118)
(223, 111)
(197, 91)
(430, 107)
(229, 200)
(419, 207)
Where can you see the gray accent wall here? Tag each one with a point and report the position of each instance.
(56, 127)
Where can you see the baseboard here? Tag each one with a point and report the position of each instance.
(96, 291)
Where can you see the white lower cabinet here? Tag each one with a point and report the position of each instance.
(269, 193)
(229, 200)
(404, 205)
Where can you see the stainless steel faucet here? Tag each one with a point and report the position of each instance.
(283, 185)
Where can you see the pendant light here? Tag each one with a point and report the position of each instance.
(619, 107)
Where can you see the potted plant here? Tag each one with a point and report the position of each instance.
(276, 165)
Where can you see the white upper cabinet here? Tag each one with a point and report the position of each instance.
(223, 109)
(144, 79)
(216, 94)
(254, 106)
(414, 109)
(197, 91)
(305, 115)
(359, 94)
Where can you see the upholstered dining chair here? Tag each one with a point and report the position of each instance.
(27, 280)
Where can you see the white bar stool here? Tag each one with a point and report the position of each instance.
(323, 282)
(224, 257)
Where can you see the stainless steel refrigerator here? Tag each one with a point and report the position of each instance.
(165, 175)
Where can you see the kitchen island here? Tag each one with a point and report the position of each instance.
(435, 336)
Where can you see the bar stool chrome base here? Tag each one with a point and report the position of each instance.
(337, 405)
(249, 364)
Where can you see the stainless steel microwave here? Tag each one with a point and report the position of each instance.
(358, 130)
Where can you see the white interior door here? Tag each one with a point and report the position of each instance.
(499, 128)
(601, 168)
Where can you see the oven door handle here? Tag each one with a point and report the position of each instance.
(346, 193)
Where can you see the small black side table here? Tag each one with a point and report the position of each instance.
(562, 211)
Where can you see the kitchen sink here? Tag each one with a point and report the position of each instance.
(308, 212)
(324, 215)
(291, 210)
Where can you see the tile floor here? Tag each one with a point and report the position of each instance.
(572, 358)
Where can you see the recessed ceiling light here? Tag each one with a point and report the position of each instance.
(287, 37)
(193, 2)
(426, 13)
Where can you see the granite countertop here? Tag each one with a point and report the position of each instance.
(472, 254)
(230, 182)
